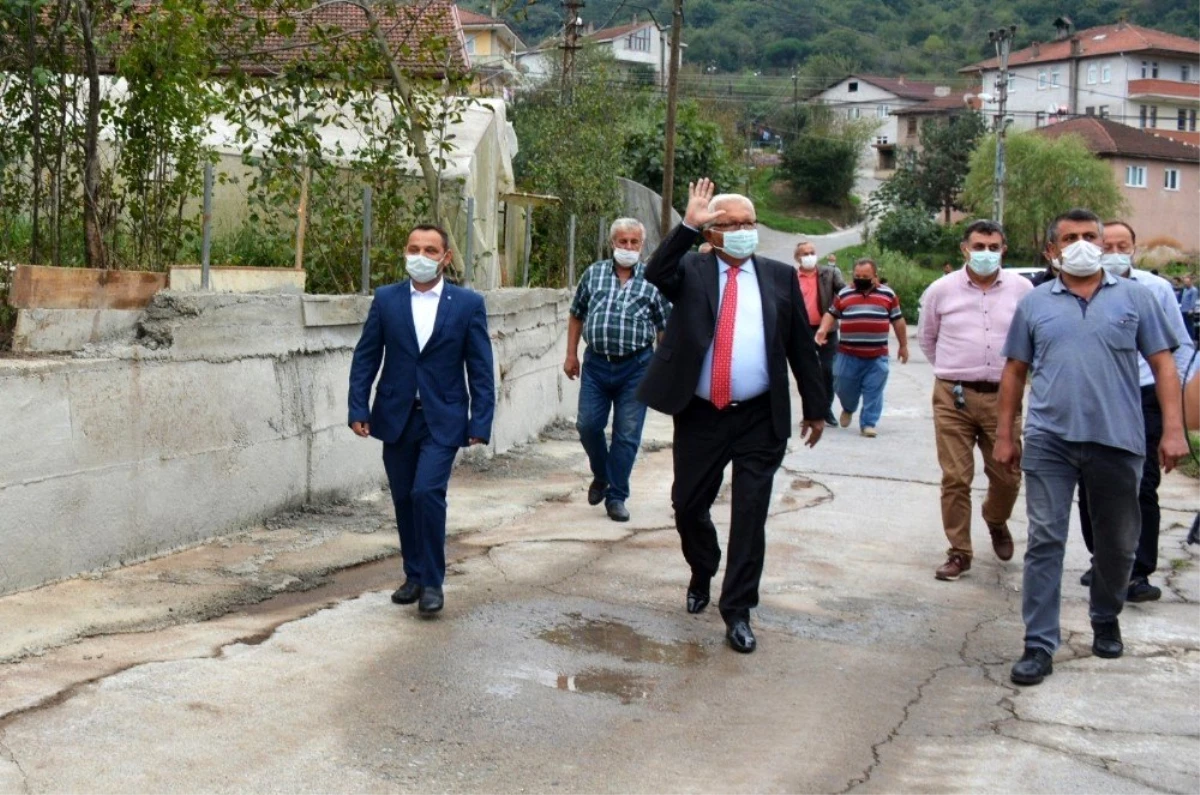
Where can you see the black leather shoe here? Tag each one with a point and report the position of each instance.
(1034, 666)
(740, 637)
(1085, 579)
(617, 511)
(697, 594)
(1106, 642)
(830, 420)
(431, 600)
(596, 492)
(1140, 590)
(407, 593)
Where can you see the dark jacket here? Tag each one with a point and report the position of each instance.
(829, 282)
(453, 371)
(690, 281)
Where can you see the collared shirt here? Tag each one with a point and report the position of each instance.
(1187, 299)
(1084, 357)
(963, 325)
(424, 310)
(749, 377)
(618, 319)
(865, 320)
(1164, 293)
(810, 288)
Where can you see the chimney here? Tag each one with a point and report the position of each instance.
(1076, 47)
(901, 80)
(1062, 28)
(1036, 48)
(1121, 23)
(494, 9)
(635, 19)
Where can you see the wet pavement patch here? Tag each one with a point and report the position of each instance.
(620, 640)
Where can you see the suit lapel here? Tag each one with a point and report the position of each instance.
(712, 283)
(766, 292)
(408, 329)
(439, 319)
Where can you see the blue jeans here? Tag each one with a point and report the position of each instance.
(606, 385)
(1052, 467)
(854, 377)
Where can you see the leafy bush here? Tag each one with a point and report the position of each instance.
(821, 168)
(908, 230)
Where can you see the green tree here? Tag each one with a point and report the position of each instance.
(822, 160)
(932, 177)
(699, 152)
(1045, 177)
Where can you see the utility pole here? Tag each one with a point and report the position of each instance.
(1002, 40)
(569, 46)
(672, 100)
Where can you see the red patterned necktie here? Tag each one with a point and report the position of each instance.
(722, 364)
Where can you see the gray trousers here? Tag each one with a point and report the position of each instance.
(1111, 478)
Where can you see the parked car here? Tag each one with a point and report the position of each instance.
(1027, 272)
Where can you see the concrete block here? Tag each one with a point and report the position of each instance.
(66, 330)
(342, 465)
(239, 279)
(35, 427)
(335, 310)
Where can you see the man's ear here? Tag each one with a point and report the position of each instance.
(712, 237)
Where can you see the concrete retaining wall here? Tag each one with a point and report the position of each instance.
(229, 409)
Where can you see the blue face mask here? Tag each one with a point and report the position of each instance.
(984, 263)
(740, 243)
(1116, 264)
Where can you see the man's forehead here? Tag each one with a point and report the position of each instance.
(1068, 227)
(425, 237)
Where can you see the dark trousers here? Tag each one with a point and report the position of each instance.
(827, 353)
(418, 470)
(1146, 560)
(706, 440)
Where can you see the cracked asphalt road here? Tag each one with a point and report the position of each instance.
(565, 662)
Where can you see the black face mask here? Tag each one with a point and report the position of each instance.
(862, 285)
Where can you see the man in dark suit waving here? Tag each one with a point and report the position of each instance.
(738, 323)
(435, 395)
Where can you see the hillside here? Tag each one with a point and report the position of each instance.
(913, 37)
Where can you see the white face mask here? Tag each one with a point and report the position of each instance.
(626, 258)
(1081, 258)
(808, 261)
(1117, 264)
(420, 268)
(984, 263)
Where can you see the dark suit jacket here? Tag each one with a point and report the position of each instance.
(829, 283)
(690, 281)
(453, 372)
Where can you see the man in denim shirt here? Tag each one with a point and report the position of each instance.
(1081, 334)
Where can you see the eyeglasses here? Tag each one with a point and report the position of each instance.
(732, 227)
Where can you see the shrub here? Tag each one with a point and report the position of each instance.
(821, 168)
(906, 278)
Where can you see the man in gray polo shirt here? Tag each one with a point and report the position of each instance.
(1082, 333)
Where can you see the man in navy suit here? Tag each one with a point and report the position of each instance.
(436, 394)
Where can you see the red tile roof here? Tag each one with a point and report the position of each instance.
(1103, 40)
(901, 86)
(469, 17)
(1107, 137)
(608, 34)
(956, 100)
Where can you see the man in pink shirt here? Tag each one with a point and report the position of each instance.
(965, 317)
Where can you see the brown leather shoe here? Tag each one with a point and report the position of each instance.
(1002, 540)
(955, 566)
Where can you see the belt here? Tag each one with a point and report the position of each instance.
(733, 405)
(622, 358)
(980, 386)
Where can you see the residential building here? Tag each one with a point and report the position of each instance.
(641, 49)
(1133, 75)
(877, 98)
(940, 110)
(492, 47)
(1159, 177)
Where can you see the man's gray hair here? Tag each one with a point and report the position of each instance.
(802, 240)
(728, 198)
(1078, 214)
(626, 225)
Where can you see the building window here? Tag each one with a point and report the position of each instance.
(1181, 120)
(1153, 116)
(1191, 121)
(1104, 111)
(1054, 72)
(881, 140)
(1185, 73)
(1171, 178)
(1106, 73)
(471, 45)
(855, 113)
(912, 126)
(1149, 69)
(639, 41)
(1135, 176)
(1012, 82)
(883, 111)
(1042, 80)
(1090, 110)
(1039, 119)
(853, 87)
(1093, 74)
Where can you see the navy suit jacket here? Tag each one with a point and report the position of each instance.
(453, 372)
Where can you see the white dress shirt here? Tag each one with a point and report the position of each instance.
(749, 377)
(424, 311)
(1165, 295)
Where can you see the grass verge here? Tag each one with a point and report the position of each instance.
(774, 209)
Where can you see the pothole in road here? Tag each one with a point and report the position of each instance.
(620, 640)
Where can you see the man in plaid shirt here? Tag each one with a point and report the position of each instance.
(619, 315)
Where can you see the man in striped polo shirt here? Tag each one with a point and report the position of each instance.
(866, 309)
